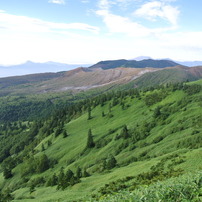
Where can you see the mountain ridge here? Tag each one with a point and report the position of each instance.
(110, 64)
(35, 68)
(82, 79)
(30, 67)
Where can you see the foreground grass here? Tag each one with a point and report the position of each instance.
(184, 188)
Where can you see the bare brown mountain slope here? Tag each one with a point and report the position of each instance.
(82, 79)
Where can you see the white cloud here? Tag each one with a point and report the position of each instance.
(190, 40)
(104, 4)
(57, 1)
(125, 25)
(159, 9)
(119, 24)
(27, 24)
(72, 48)
(23, 38)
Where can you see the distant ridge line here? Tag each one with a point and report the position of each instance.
(110, 64)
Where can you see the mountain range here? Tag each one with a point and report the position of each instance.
(138, 62)
(118, 130)
(32, 68)
(134, 64)
(84, 79)
(184, 63)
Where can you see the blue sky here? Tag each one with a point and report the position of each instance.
(87, 31)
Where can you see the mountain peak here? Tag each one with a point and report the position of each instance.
(111, 64)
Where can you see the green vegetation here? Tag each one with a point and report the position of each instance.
(26, 98)
(165, 76)
(183, 188)
(123, 145)
(110, 64)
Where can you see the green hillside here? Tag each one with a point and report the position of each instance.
(110, 64)
(124, 142)
(166, 76)
(28, 97)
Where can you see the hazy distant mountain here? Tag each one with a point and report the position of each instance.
(110, 64)
(139, 58)
(32, 68)
(184, 63)
(190, 63)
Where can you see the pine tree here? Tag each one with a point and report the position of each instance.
(42, 163)
(110, 108)
(157, 112)
(61, 178)
(90, 142)
(54, 180)
(124, 132)
(7, 173)
(65, 134)
(69, 175)
(49, 143)
(85, 173)
(68, 179)
(42, 148)
(89, 113)
(111, 162)
(78, 172)
(6, 196)
(58, 131)
(32, 188)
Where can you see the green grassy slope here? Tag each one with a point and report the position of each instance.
(164, 131)
(166, 76)
(110, 64)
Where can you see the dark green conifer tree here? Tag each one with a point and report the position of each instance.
(110, 108)
(42, 163)
(7, 173)
(6, 196)
(69, 175)
(65, 134)
(49, 143)
(124, 132)
(157, 112)
(61, 178)
(42, 148)
(52, 181)
(32, 188)
(89, 113)
(78, 172)
(58, 131)
(85, 173)
(111, 162)
(90, 142)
